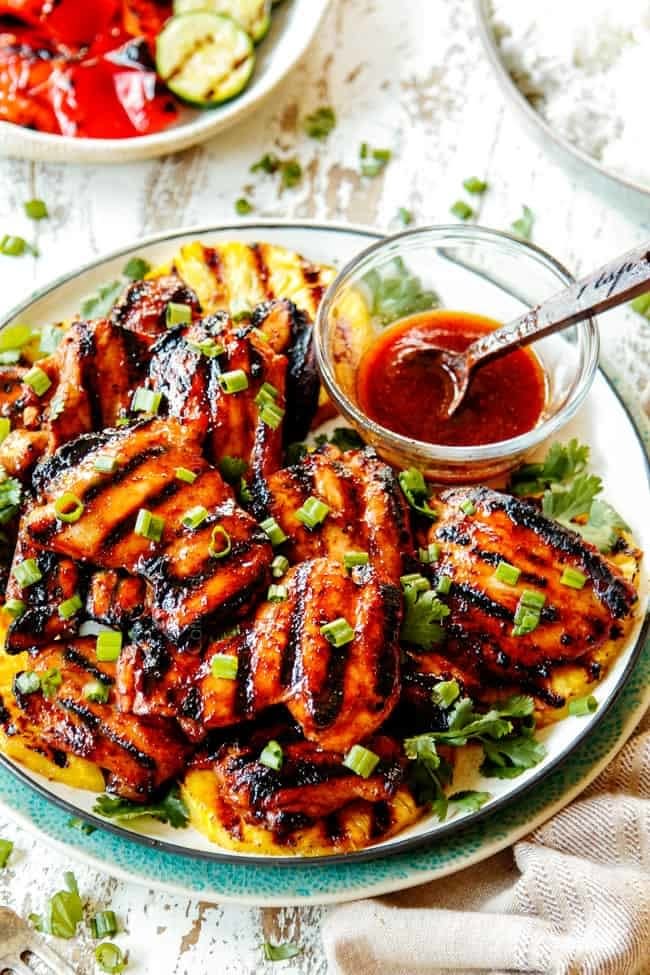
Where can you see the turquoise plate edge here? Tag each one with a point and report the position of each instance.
(295, 884)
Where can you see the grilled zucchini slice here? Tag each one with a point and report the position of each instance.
(254, 16)
(204, 58)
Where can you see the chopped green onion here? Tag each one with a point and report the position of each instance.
(415, 582)
(5, 428)
(233, 382)
(581, 706)
(243, 206)
(276, 594)
(38, 380)
(532, 600)
(269, 163)
(194, 517)
(320, 123)
(525, 622)
(405, 216)
(279, 566)
(338, 632)
(280, 952)
(76, 823)
(232, 468)
(136, 269)
(27, 573)
(272, 755)
(51, 680)
(207, 347)
(445, 693)
(508, 574)
(467, 507)
(267, 393)
(312, 513)
(15, 607)
(6, 847)
(475, 185)
(27, 682)
(149, 526)
(523, 227)
(68, 508)
(361, 761)
(429, 554)
(224, 666)
(462, 210)
(352, 559)
(13, 246)
(50, 338)
(36, 210)
(14, 337)
(103, 925)
(573, 578)
(641, 305)
(69, 607)
(290, 173)
(220, 543)
(101, 303)
(272, 415)
(177, 314)
(98, 693)
(416, 492)
(10, 357)
(108, 646)
(444, 585)
(374, 160)
(146, 400)
(184, 474)
(271, 528)
(105, 464)
(109, 958)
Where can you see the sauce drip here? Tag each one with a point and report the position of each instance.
(402, 385)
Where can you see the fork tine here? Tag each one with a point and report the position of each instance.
(44, 954)
(18, 967)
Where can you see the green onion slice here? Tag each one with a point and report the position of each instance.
(27, 573)
(353, 558)
(272, 415)
(36, 210)
(415, 582)
(312, 513)
(98, 693)
(220, 543)
(146, 400)
(105, 464)
(573, 578)
(444, 585)
(581, 706)
(532, 600)
(103, 925)
(279, 566)
(108, 646)
(207, 347)
(272, 755)
(194, 517)
(508, 574)
(224, 666)
(445, 693)
(186, 475)
(267, 393)
(27, 682)
(68, 508)
(361, 761)
(276, 594)
(51, 680)
(429, 554)
(338, 632)
(467, 507)
(15, 607)
(149, 526)
(177, 314)
(37, 380)
(5, 428)
(271, 528)
(234, 381)
(462, 210)
(109, 958)
(69, 607)
(6, 847)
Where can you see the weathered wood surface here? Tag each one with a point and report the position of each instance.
(409, 76)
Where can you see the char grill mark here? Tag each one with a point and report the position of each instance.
(138, 754)
(142, 308)
(189, 587)
(573, 623)
(116, 598)
(367, 511)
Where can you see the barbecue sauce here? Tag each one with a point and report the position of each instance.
(402, 385)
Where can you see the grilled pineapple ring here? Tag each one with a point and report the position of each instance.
(354, 827)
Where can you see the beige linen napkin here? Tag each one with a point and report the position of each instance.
(573, 898)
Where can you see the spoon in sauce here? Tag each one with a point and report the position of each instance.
(613, 284)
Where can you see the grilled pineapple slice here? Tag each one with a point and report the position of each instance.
(25, 748)
(355, 826)
(236, 277)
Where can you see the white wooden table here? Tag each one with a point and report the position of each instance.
(409, 76)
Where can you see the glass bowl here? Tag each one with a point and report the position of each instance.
(465, 268)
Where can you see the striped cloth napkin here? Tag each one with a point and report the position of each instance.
(573, 898)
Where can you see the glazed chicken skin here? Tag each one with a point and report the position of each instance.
(573, 622)
(367, 510)
(142, 307)
(137, 754)
(337, 695)
(190, 586)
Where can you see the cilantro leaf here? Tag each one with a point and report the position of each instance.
(63, 913)
(396, 293)
(469, 800)
(603, 526)
(423, 613)
(345, 438)
(320, 123)
(562, 462)
(523, 227)
(10, 497)
(280, 952)
(509, 757)
(170, 809)
(100, 304)
(430, 773)
(566, 505)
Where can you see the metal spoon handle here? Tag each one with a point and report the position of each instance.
(614, 283)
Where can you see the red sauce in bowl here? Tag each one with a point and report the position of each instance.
(403, 387)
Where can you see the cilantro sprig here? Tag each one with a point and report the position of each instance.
(569, 492)
(170, 809)
(395, 293)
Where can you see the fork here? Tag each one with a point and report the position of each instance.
(17, 938)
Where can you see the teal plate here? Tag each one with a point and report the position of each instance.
(159, 860)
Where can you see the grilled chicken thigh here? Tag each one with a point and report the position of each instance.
(138, 754)
(573, 622)
(337, 695)
(367, 510)
(142, 308)
(190, 585)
